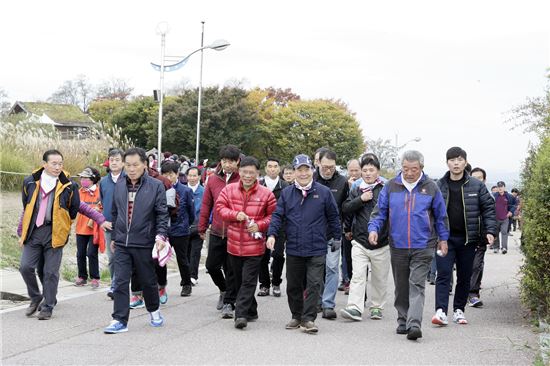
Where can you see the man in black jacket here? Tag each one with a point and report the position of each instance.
(338, 185)
(140, 223)
(468, 203)
(276, 184)
(357, 210)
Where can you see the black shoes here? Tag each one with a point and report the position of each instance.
(186, 290)
(414, 333)
(241, 323)
(401, 329)
(33, 307)
(264, 291)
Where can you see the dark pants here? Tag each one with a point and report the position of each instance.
(276, 266)
(298, 269)
(278, 262)
(477, 270)
(410, 268)
(246, 271)
(139, 259)
(463, 255)
(347, 268)
(38, 248)
(265, 280)
(161, 276)
(181, 247)
(217, 264)
(194, 254)
(86, 248)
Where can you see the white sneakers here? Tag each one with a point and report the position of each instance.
(440, 318)
(458, 317)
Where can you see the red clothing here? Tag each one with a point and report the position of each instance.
(212, 190)
(258, 203)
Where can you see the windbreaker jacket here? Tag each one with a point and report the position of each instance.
(338, 185)
(357, 216)
(479, 207)
(216, 182)
(150, 213)
(510, 199)
(416, 219)
(186, 211)
(107, 190)
(306, 220)
(258, 203)
(65, 206)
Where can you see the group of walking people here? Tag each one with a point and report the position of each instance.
(306, 216)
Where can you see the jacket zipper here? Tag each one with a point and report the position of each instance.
(133, 209)
(409, 219)
(464, 210)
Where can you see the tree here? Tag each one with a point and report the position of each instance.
(385, 151)
(103, 110)
(5, 104)
(78, 91)
(137, 120)
(114, 89)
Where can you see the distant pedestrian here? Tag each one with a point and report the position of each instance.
(413, 207)
(246, 207)
(311, 216)
(195, 241)
(505, 205)
(51, 202)
(140, 223)
(288, 174)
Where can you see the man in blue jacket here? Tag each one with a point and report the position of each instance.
(107, 190)
(308, 209)
(140, 222)
(195, 241)
(179, 224)
(417, 216)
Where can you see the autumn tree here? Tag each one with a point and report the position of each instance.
(79, 92)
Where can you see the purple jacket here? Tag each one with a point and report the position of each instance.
(84, 209)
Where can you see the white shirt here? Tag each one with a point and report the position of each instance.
(410, 186)
(115, 177)
(47, 182)
(271, 183)
(194, 188)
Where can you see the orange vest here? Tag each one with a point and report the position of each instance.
(85, 225)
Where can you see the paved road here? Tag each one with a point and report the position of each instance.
(194, 333)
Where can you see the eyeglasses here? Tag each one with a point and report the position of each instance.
(324, 167)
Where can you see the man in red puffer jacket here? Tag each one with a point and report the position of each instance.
(246, 207)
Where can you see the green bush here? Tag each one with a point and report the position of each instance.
(11, 162)
(536, 231)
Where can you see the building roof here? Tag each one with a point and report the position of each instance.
(62, 114)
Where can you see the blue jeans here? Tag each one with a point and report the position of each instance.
(331, 278)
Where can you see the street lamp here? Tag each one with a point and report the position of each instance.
(398, 148)
(217, 45)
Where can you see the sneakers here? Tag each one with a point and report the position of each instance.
(163, 296)
(186, 290)
(241, 323)
(458, 317)
(80, 282)
(342, 286)
(351, 314)
(156, 319)
(264, 291)
(376, 314)
(495, 250)
(440, 318)
(136, 302)
(309, 327)
(94, 283)
(219, 305)
(431, 280)
(329, 313)
(293, 324)
(115, 327)
(33, 307)
(475, 302)
(44, 314)
(414, 333)
(194, 281)
(277, 291)
(227, 311)
(504, 251)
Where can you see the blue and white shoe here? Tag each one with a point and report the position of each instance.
(136, 302)
(115, 327)
(156, 319)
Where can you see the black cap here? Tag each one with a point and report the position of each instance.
(501, 184)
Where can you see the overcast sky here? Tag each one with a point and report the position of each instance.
(445, 72)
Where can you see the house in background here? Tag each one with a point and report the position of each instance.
(68, 119)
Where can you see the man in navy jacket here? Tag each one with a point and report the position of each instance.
(308, 209)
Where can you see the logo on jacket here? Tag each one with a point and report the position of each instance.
(315, 196)
(472, 194)
(423, 191)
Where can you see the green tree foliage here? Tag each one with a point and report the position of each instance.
(103, 110)
(137, 120)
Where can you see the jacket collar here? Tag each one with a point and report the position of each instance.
(399, 179)
(447, 176)
(63, 177)
(252, 189)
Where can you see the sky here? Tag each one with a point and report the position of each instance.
(447, 72)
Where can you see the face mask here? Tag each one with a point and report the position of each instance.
(86, 183)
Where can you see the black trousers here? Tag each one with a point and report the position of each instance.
(161, 276)
(346, 253)
(126, 259)
(85, 248)
(246, 271)
(300, 269)
(219, 267)
(181, 247)
(194, 254)
(477, 270)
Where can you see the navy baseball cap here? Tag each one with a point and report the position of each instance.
(501, 184)
(300, 160)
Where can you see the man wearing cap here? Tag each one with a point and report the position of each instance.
(308, 209)
(505, 205)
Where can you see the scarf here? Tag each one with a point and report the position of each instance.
(410, 186)
(47, 182)
(303, 189)
(365, 187)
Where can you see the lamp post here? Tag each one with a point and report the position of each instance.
(398, 148)
(218, 45)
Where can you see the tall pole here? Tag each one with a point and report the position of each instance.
(159, 144)
(396, 154)
(200, 99)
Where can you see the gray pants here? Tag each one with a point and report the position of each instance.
(502, 227)
(37, 247)
(410, 268)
